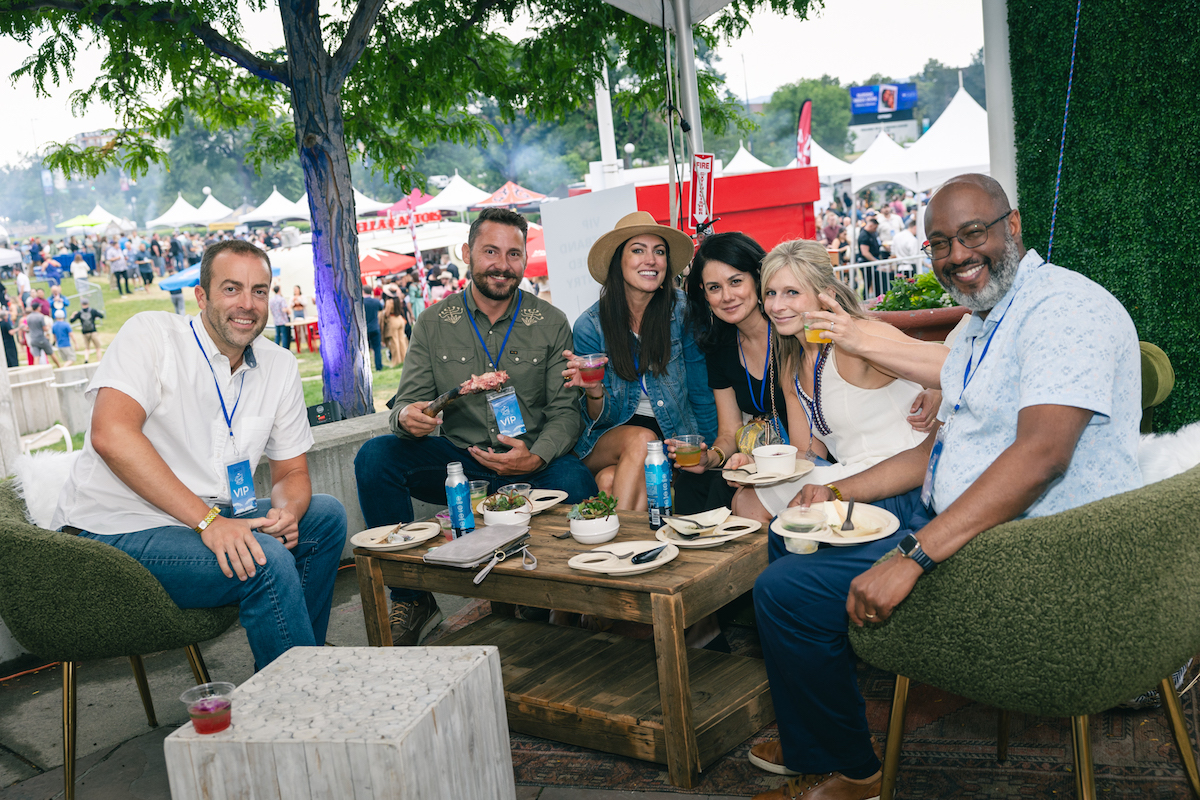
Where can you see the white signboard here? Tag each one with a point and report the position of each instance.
(572, 226)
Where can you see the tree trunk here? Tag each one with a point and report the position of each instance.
(317, 111)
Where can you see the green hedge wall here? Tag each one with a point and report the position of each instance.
(1129, 208)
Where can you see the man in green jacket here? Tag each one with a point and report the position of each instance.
(490, 326)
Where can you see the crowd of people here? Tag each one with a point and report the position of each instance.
(737, 344)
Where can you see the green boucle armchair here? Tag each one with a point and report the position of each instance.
(1066, 615)
(69, 599)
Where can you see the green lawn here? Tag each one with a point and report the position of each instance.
(118, 309)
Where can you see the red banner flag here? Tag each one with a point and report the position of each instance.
(804, 136)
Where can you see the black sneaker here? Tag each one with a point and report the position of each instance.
(410, 621)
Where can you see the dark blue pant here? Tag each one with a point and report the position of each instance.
(391, 471)
(283, 335)
(800, 609)
(373, 343)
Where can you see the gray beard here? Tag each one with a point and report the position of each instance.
(1001, 273)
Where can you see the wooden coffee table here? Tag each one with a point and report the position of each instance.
(657, 701)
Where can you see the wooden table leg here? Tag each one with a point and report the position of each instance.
(374, 601)
(674, 688)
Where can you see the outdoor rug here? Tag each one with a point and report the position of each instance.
(949, 748)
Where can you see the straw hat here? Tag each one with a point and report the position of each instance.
(600, 256)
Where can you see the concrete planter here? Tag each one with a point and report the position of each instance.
(927, 324)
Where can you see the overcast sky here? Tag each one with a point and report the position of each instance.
(850, 39)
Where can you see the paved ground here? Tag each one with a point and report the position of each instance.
(119, 756)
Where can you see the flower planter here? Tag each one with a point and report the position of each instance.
(927, 324)
(595, 531)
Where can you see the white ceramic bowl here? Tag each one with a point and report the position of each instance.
(595, 531)
(775, 459)
(518, 516)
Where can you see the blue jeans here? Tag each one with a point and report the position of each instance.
(391, 471)
(286, 603)
(374, 344)
(283, 335)
(800, 609)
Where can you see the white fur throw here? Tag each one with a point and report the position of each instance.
(1162, 455)
(39, 477)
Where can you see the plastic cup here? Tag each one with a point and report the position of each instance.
(209, 706)
(687, 450)
(479, 490)
(591, 369)
(522, 489)
(815, 335)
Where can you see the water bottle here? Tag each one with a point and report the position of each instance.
(458, 499)
(658, 483)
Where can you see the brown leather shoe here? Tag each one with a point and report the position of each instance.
(769, 756)
(412, 620)
(830, 786)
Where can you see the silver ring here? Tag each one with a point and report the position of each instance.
(869, 616)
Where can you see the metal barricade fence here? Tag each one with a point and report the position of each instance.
(870, 279)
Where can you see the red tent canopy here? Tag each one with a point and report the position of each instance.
(510, 194)
(373, 262)
(535, 246)
(406, 203)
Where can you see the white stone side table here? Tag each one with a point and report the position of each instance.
(356, 723)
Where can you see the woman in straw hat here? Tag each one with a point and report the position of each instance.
(656, 385)
(847, 394)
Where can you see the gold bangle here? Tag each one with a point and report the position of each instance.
(213, 513)
(719, 452)
(835, 491)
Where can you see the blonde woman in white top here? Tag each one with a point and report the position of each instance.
(841, 406)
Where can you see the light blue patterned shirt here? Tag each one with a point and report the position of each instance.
(1058, 339)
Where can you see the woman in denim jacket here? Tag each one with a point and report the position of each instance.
(655, 386)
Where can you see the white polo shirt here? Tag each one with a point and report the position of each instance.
(155, 360)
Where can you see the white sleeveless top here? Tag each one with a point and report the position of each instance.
(866, 426)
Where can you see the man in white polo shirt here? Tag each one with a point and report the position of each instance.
(185, 407)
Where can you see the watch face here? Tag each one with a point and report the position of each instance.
(908, 544)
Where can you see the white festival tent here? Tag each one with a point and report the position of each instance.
(744, 162)
(365, 205)
(111, 221)
(457, 196)
(179, 214)
(211, 210)
(274, 209)
(883, 162)
(830, 168)
(957, 143)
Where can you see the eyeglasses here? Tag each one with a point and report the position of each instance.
(971, 236)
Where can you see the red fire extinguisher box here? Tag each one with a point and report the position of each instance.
(770, 207)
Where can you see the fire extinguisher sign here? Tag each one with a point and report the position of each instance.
(702, 189)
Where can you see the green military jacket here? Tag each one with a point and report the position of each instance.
(445, 351)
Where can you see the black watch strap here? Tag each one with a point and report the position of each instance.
(911, 548)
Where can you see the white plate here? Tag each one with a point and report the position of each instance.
(539, 499)
(803, 467)
(740, 527)
(420, 531)
(864, 516)
(611, 565)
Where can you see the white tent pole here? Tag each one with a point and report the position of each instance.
(685, 55)
(608, 139)
(1002, 145)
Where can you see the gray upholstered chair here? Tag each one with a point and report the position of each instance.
(68, 599)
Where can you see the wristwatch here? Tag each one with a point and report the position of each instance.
(911, 548)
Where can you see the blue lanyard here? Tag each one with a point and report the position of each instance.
(969, 374)
(228, 414)
(493, 363)
(759, 405)
(641, 377)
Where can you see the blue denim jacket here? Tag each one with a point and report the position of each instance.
(681, 399)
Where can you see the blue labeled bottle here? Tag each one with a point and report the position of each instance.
(658, 483)
(458, 500)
